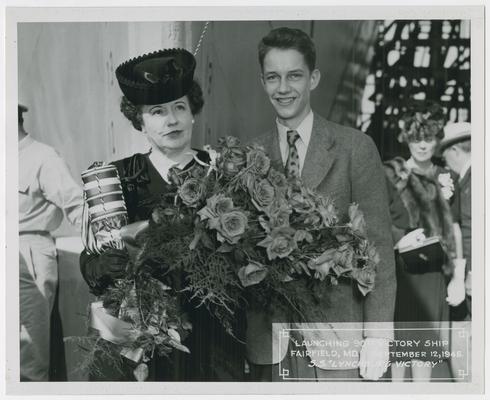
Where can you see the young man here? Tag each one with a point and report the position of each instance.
(343, 164)
(47, 192)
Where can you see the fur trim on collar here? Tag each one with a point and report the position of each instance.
(422, 197)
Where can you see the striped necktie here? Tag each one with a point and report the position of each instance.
(292, 163)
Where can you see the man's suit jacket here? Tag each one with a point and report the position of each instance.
(344, 164)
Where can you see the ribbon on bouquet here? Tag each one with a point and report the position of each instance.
(114, 330)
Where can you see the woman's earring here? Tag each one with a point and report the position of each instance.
(192, 121)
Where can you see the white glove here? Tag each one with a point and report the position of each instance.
(374, 357)
(456, 291)
(411, 238)
(468, 284)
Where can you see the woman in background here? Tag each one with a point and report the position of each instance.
(423, 297)
(161, 99)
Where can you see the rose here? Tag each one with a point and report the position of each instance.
(279, 217)
(223, 205)
(252, 274)
(229, 223)
(301, 203)
(197, 172)
(365, 279)
(277, 179)
(279, 243)
(231, 167)
(233, 157)
(232, 163)
(231, 226)
(228, 141)
(191, 192)
(262, 194)
(215, 206)
(257, 162)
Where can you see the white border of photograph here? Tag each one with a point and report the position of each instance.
(67, 14)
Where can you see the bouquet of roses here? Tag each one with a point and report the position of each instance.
(242, 235)
(241, 232)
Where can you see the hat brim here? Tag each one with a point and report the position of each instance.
(445, 144)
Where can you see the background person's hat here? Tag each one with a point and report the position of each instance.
(158, 77)
(455, 132)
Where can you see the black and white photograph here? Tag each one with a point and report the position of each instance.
(235, 200)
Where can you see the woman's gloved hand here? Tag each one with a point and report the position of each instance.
(456, 287)
(468, 284)
(411, 238)
(99, 271)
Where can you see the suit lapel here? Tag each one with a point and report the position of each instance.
(270, 142)
(320, 155)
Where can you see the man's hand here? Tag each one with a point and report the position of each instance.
(374, 357)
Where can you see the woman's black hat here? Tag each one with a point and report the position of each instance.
(158, 77)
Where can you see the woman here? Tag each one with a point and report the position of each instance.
(423, 297)
(161, 99)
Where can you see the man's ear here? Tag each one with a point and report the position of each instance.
(315, 78)
(262, 81)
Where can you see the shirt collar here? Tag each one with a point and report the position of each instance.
(465, 169)
(163, 164)
(304, 128)
(25, 142)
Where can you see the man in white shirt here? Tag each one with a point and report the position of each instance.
(47, 192)
(344, 164)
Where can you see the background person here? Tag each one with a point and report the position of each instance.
(456, 151)
(47, 193)
(423, 299)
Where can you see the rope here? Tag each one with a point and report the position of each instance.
(203, 33)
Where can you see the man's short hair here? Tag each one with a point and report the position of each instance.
(21, 109)
(287, 38)
(464, 146)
